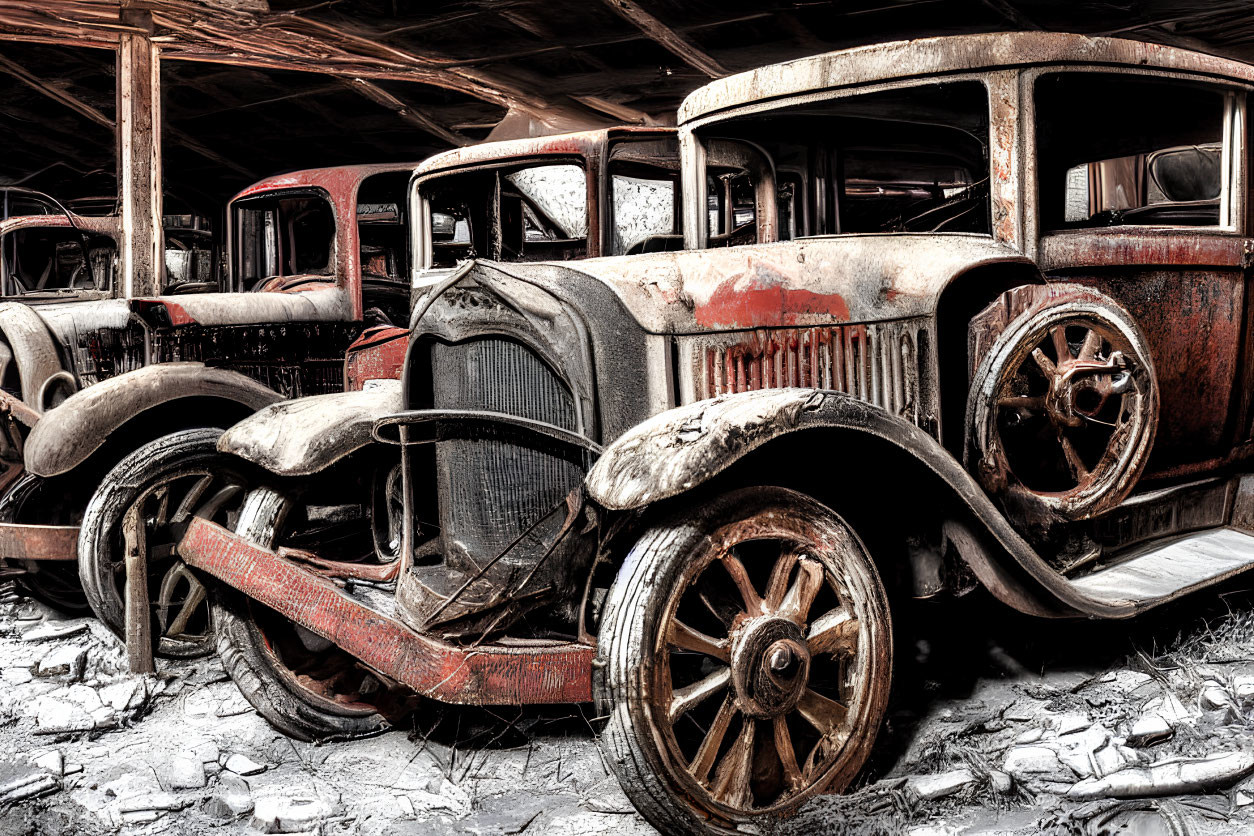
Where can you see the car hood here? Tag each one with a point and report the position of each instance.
(811, 281)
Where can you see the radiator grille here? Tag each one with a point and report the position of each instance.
(490, 491)
(878, 363)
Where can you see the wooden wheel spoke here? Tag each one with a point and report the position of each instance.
(703, 761)
(834, 632)
(1092, 344)
(195, 597)
(796, 604)
(162, 515)
(1046, 365)
(823, 713)
(787, 755)
(778, 584)
(687, 638)
(210, 508)
(1079, 470)
(731, 779)
(193, 496)
(740, 577)
(690, 696)
(1059, 335)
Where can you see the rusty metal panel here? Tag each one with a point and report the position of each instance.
(38, 542)
(378, 354)
(479, 675)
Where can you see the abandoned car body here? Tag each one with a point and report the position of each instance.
(955, 311)
(518, 200)
(301, 287)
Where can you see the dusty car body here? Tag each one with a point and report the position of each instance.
(95, 373)
(954, 312)
(519, 200)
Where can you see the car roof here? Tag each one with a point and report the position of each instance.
(900, 60)
(569, 144)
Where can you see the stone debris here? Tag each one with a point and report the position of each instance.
(1177, 776)
(51, 762)
(1148, 730)
(182, 771)
(294, 814)
(242, 765)
(67, 661)
(931, 787)
(231, 798)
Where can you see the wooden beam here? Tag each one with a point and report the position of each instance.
(139, 163)
(73, 103)
(383, 98)
(623, 113)
(657, 31)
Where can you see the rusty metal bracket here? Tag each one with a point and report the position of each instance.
(560, 672)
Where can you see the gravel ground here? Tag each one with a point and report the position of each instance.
(1000, 724)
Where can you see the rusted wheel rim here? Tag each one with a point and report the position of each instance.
(781, 702)
(1069, 407)
(178, 598)
(323, 674)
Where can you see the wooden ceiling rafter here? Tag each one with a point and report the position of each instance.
(667, 37)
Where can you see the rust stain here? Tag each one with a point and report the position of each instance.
(38, 542)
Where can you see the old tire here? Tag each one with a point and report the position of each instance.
(175, 478)
(51, 582)
(252, 640)
(1063, 408)
(799, 689)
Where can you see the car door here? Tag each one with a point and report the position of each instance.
(1139, 195)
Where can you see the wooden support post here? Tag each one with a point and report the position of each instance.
(138, 609)
(139, 158)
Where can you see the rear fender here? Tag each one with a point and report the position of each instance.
(305, 436)
(67, 436)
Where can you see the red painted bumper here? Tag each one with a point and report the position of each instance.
(481, 675)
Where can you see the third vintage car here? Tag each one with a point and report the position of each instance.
(952, 312)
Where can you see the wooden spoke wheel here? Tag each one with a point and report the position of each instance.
(162, 486)
(748, 652)
(1064, 408)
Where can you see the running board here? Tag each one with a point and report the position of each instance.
(485, 674)
(1156, 574)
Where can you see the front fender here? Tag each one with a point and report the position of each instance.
(304, 436)
(67, 435)
(685, 447)
(30, 346)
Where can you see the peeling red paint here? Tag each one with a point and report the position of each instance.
(767, 300)
(378, 354)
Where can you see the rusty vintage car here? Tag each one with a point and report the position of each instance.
(954, 312)
(91, 374)
(518, 200)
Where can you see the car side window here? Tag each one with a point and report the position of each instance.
(46, 259)
(1117, 149)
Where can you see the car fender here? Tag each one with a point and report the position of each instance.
(67, 435)
(683, 448)
(304, 436)
(29, 344)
